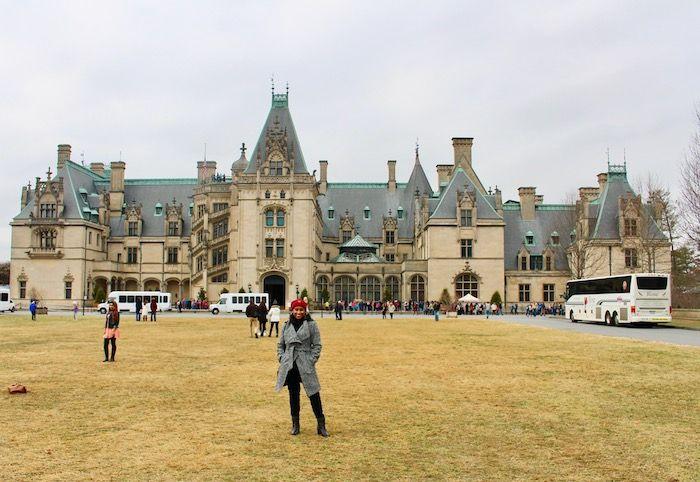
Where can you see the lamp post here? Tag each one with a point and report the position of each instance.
(297, 288)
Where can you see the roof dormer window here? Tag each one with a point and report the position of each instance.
(331, 213)
(529, 238)
(159, 209)
(399, 213)
(367, 213)
(555, 238)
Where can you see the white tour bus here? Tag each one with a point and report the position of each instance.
(126, 301)
(6, 304)
(230, 302)
(631, 298)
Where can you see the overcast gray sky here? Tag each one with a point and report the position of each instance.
(543, 87)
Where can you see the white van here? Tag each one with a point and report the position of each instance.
(230, 302)
(6, 304)
(126, 301)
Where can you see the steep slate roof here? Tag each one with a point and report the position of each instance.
(149, 192)
(606, 208)
(354, 197)
(448, 201)
(548, 218)
(279, 117)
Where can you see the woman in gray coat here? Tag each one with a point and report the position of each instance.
(298, 350)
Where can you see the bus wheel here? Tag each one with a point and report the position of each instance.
(215, 311)
(613, 320)
(571, 317)
(103, 311)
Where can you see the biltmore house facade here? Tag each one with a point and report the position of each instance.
(266, 222)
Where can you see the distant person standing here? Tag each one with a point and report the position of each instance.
(436, 310)
(251, 311)
(154, 307)
(75, 310)
(111, 331)
(384, 310)
(139, 308)
(391, 309)
(32, 309)
(274, 315)
(338, 310)
(262, 316)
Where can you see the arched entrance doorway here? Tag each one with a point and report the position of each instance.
(274, 286)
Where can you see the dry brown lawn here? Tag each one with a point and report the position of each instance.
(193, 399)
(688, 319)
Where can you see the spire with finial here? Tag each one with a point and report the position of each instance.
(272, 81)
(417, 155)
(48, 174)
(287, 88)
(243, 149)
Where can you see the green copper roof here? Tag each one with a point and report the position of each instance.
(155, 182)
(367, 185)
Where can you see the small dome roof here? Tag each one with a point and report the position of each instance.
(241, 164)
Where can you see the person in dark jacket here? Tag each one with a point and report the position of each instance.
(298, 350)
(139, 308)
(111, 331)
(251, 311)
(338, 310)
(262, 316)
(154, 307)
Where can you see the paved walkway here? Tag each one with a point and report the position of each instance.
(662, 334)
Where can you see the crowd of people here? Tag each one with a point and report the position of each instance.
(538, 309)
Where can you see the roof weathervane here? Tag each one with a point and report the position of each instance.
(82, 158)
(48, 173)
(287, 88)
(243, 149)
(417, 147)
(272, 81)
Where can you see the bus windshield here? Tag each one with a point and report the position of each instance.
(652, 283)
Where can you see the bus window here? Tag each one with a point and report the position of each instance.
(4, 296)
(122, 298)
(257, 299)
(147, 298)
(651, 283)
(139, 298)
(246, 299)
(130, 299)
(238, 299)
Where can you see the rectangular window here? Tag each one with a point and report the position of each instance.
(390, 257)
(220, 228)
(536, 262)
(201, 209)
(630, 227)
(523, 263)
(630, 258)
(275, 168)
(200, 263)
(173, 228)
(466, 247)
(22, 289)
(269, 248)
(389, 237)
(220, 207)
(47, 211)
(524, 292)
(548, 263)
(331, 214)
(346, 236)
(172, 255)
(89, 237)
(219, 256)
(279, 244)
(465, 217)
(548, 292)
(132, 255)
(133, 228)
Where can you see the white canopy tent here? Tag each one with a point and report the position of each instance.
(468, 298)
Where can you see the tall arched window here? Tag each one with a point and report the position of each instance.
(417, 288)
(467, 284)
(269, 218)
(321, 286)
(344, 288)
(370, 288)
(392, 286)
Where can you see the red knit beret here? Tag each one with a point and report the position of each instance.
(296, 303)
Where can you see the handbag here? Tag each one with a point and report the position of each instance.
(16, 388)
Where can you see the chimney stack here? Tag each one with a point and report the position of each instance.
(602, 179)
(116, 186)
(462, 147)
(323, 182)
(205, 171)
(98, 168)
(444, 172)
(63, 155)
(539, 199)
(527, 203)
(391, 164)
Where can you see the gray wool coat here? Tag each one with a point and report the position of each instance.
(302, 347)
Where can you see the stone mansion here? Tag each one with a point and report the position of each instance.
(265, 223)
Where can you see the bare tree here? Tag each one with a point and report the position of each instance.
(658, 221)
(690, 187)
(575, 227)
(4, 273)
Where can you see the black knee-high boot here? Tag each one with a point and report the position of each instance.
(106, 348)
(318, 411)
(114, 348)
